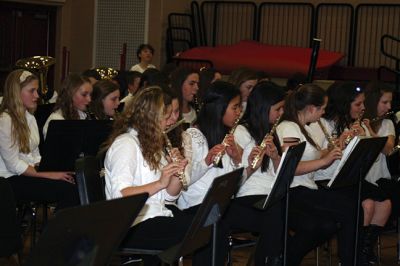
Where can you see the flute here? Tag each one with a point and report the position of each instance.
(263, 143)
(351, 136)
(219, 155)
(331, 141)
(181, 174)
(381, 117)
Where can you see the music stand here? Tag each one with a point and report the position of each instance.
(281, 187)
(86, 235)
(68, 140)
(206, 218)
(354, 171)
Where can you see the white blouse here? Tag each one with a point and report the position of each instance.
(125, 167)
(190, 117)
(138, 68)
(57, 115)
(12, 161)
(288, 129)
(202, 175)
(259, 183)
(380, 169)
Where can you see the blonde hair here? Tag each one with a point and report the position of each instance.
(144, 114)
(13, 106)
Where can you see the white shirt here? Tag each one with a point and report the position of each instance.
(138, 68)
(202, 175)
(190, 117)
(288, 129)
(57, 115)
(12, 161)
(127, 98)
(379, 169)
(319, 137)
(125, 167)
(259, 183)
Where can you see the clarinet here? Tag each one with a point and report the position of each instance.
(219, 155)
(379, 118)
(263, 143)
(181, 174)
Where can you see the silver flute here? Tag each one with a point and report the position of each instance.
(263, 143)
(219, 155)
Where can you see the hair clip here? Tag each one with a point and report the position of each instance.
(25, 74)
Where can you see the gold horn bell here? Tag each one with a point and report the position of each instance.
(106, 72)
(38, 65)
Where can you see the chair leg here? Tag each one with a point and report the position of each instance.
(378, 246)
(316, 251)
(33, 226)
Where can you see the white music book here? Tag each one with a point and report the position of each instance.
(346, 154)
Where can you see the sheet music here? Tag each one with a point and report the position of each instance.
(346, 154)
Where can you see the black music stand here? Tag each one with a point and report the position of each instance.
(354, 171)
(68, 140)
(281, 187)
(206, 218)
(86, 235)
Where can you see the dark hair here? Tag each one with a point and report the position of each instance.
(341, 95)
(142, 47)
(101, 89)
(130, 76)
(178, 77)
(215, 102)
(373, 93)
(307, 94)
(152, 77)
(206, 76)
(241, 75)
(91, 73)
(295, 80)
(256, 118)
(263, 76)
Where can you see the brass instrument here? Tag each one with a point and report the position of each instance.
(264, 142)
(106, 72)
(351, 136)
(381, 117)
(219, 155)
(39, 65)
(181, 174)
(329, 138)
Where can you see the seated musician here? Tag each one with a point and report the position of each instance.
(19, 152)
(75, 96)
(105, 100)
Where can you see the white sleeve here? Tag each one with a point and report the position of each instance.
(121, 163)
(288, 130)
(387, 128)
(242, 136)
(200, 151)
(8, 151)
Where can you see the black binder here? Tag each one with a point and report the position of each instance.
(68, 140)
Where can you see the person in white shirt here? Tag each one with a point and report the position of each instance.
(144, 55)
(185, 82)
(265, 106)
(135, 163)
(19, 141)
(303, 106)
(377, 204)
(73, 101)
(220, 111)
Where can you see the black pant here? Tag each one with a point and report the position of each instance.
(329, 205)
(161, 233)
(27, 188)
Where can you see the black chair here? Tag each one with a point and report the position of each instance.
(10, 236)
(91, 189)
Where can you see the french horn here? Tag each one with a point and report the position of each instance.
(106, 72)
(38, 65)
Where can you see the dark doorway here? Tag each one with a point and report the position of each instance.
(26, 30)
